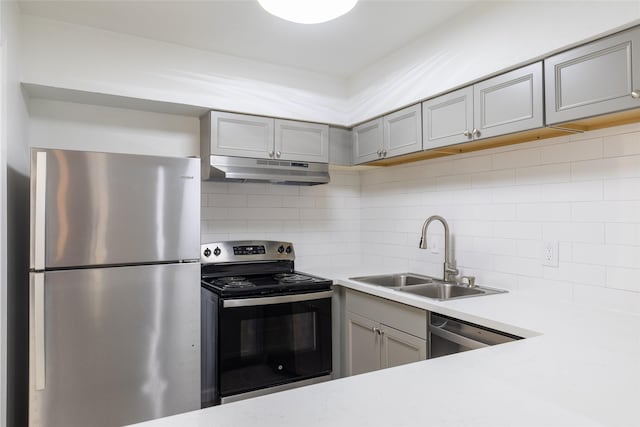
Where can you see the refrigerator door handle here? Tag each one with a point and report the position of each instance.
(39, 330)
(40, 210)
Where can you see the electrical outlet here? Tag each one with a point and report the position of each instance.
(550, 253)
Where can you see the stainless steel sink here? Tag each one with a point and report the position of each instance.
(426, 286)
(398, 280)
(444, 291)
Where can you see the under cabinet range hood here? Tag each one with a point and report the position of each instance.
(243, 169)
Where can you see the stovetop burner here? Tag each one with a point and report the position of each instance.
(293, 278)
(234, 282)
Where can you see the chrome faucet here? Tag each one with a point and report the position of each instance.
(450, 271)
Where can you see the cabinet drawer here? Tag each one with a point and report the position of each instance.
(399, 316)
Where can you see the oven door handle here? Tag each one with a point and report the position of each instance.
(249, 302)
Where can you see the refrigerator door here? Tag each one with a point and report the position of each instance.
(114, 346)
(90, 209)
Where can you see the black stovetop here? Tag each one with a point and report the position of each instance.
(282, 283)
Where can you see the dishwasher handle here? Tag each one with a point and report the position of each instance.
(457, 339)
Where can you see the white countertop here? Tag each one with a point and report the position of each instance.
(579, 367)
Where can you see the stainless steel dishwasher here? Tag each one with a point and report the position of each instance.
(449, 336)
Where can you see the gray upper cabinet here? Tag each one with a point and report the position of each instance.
(508, 103)
(243, 135)
(392, 135)
(340, 146)
(301, 141)
(448, 119)
(597, 78)
(367, 141)
(402, 132)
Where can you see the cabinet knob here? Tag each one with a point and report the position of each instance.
(475, 132)
(467, 134)
(270, 153)
(384, 153)
(635, 94)
(278, 154)
(379, 153)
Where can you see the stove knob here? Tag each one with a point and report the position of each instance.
(217, 251)
(288, 249)
(207, 252)
(280, 249)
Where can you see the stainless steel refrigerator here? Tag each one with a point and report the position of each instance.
(114, 282)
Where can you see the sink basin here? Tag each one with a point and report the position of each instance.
(399, 280)
(446, 291)
(426, 286)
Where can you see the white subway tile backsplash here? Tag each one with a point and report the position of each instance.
(572, 151)
(518, 158)
(588, 170)
(606, 211)
(517, 194)
(622, 234)
(621, 167)
(582, 232)
(622, 189)
(623, 278)
(572, 191)
(227, 200)
(517, 230)
(501, 204)
(543, 212)
(625, 144)
(498, 178)
(264, 201)
(553, 173)
(453, 182)
(472, 164)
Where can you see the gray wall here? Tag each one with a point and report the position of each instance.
(15, 222)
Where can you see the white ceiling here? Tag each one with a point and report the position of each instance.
(372, 30)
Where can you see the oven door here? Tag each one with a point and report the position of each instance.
(269, 341)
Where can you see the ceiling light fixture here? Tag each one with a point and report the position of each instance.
(308, 11)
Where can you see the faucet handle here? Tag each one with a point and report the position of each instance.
(471, 281)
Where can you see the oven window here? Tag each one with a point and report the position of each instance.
(262, 346)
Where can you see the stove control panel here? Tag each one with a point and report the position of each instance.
(249, 250)
(246, 250)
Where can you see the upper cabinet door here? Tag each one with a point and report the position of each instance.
(301, 141)
(241, 135)
(508, 103)
(403, 131)
(448, 119)
(594, 79)
(368, 141)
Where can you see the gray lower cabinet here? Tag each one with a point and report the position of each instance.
(597, 78)
(381, 334)
(508, 103)
(392, 135)
(242, 135)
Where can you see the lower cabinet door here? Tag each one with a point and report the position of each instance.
(399, 348)
(362, 345)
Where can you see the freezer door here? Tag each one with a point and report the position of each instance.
(92, 209)
(114, 346)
